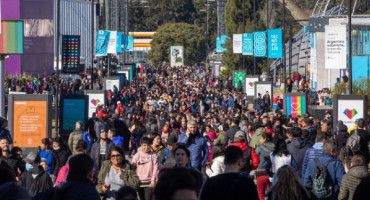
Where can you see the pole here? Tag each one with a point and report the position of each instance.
(243, 31)
(92, 42)
(126, 30)
(290, 47)
(284, 49)
(2, 89)
(254, 28)
(350, 46)
(57, 74)
(267, 25)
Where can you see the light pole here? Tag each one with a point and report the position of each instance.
(254, 29)
(350, 46)
(284, 49)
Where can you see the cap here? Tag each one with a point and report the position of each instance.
(30, 158)
(239, 134)
(171, 139)
(102, 129)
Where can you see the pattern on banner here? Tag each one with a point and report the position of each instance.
(248, 46)
(95, 102)
(259, 44)
(350, 113)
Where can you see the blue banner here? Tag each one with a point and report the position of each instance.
(102, 40)
(119, 41)
(219, 42)
(247, 43)
(127, 43)
(275, 43)
(259, 38)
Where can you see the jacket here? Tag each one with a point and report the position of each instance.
(146, 166)
(128, 176)
(313, 152)
(79, 190)
(250, 158)
(297, 147)
(40, 184)
(335, 170)
(351, 180)
(62, 176)
(255, 141)
(198, 149)
(74, 137)
(365, 138)
(263, 151)
(230, 134)
(95, 152)
(59, 158)
(218, 167)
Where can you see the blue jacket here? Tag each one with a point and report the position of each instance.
(198, 149)
(5, 133)
(314, 152)
(335, 169)
(230, 102)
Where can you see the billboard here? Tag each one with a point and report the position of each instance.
(335, 47)
(349, 108)
(259, 38)
(73, 109)
(295, 104)
(250, 82)
(262, 88)
(239, 76)
(110, 82)
(177, 56)
(237, 43)
(11, 37)
(71, 53)
(96, 97)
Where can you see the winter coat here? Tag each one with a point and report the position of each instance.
(351, 180)
(230, 135)
(314, 152)
(297, 147)
(218, 167)
(365, 138)
(95, 152)
(263, 151)
(128, 176)
(59, 158)
(250, 158)
(40, 184)
(198, 149)
(341, 139)
(335, 170)
(220, 140)
(74, 137)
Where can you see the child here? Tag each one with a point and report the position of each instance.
(147, 168)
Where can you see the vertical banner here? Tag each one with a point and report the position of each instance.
(70, 53)
(349, 108)
(127, 43)
(11, 38)
(275, 43)
(239, 76)
(259, 39)
(217, 70)
(237, 43)
(295, 104)
(102, 43)
(335, 47)
(177, 55)
(250, 83)
(96, 97)
(112, 44)
(119, 42)
(219, 42)
(247, 44)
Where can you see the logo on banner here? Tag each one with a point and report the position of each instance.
(350, 113)
(95, 102)
(251, 84)
(259, 44)
(296, 106)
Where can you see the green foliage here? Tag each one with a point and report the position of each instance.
(178, 34)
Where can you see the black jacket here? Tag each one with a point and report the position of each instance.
(297, 147)
(365, 137)
(230, 134)
(59, 159)
(79, 190)
(40, 184)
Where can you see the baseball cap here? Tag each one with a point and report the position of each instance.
(30, 158)
(239, 134)
(171, 139)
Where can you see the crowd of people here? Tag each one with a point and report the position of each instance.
(180, 134)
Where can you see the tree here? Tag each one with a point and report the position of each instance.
(191, 37)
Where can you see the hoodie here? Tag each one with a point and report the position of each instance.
(297, 147)
(263, 151)
(351, 180)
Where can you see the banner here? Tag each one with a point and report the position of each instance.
(275, 43)
(102, 40)
(11, 37)
(248, 44)
(94, 100)
(295, 105)
(239, 76)
(259, 38)
(349, 110)
(177, 55)
(71, 53)
(73, 110)
(112, 44)
(119, 42)
(219, 42)
(127, 43)
(237, 43)
(335, 47)
(217, 70)
(250, 83)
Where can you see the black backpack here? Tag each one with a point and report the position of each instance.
(322, 184)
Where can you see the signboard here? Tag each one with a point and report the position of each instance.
(259, 39)
(177, 55)
(349, 108)
(217, 70)
(239, 76)
(335, 47)
(128, 68)
(119, 42)
(220, 41)
(112, 44)
(247, 43)
(74, 108)
(295, 104)
(126, 73)
(250, 82)
(30, 119)
(102, 40)
(275, 43)
(237, 43)
(11, 37)
(110, 82)
(127, 43)
(262, 88)
(96, 97)
(71, 53)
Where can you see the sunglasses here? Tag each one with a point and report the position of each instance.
(116, 156)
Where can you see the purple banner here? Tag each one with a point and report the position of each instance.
(10, 9)
(13, 65)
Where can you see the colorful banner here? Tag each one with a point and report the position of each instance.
(259, 38)
(11, 37)
(219, 42)
(71, 53)
(237, 43)
(102, 40)
(177, 55)
(239, 76)
(119, 42)
(248, 44)
(250, 83)
(349, 110)
(275, 43)
(295, 105)
(94, 100)
(335, 47)
(112, 44)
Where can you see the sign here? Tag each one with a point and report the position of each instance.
(259, 38)
(262, 88)
(119, 43)
(335, 47)
(102, 40)
(247, 43)
(237, 43)
(250, 82)
(239, 76)
(275, 43)
(177, 55)
(349, 108)
(217, 70)
(295, 104)
(112, 44)
(74, 109)
(126, 73)
(111, 82)
(127, 43)
(96, 97)
(70, 53)
(11, 37)
(220, 41)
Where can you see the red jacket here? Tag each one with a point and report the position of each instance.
(247, 156)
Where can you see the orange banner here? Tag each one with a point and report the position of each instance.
(30, 121)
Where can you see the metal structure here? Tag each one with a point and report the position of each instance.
(321, 8)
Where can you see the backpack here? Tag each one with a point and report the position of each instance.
(353, 142)
(87, 138)
(322, 183)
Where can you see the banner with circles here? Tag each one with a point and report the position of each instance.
(259, 43)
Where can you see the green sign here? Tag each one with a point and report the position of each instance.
(239, 77)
